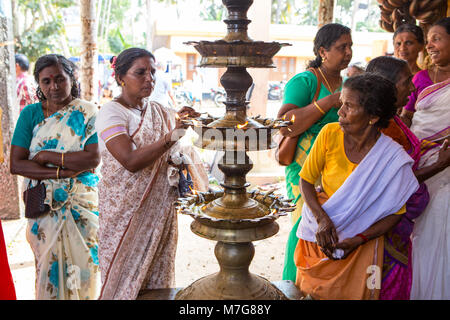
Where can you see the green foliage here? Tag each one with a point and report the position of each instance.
(212, 10)
(34, 43)
(36, 37)
(305, 12)
(117, 42)
(116, 35)
(300, 12)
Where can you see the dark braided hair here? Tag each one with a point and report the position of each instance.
(49, 60)
(326, 37)
(125, 60)
(377, 95)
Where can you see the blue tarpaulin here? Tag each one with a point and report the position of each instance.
(101, 58)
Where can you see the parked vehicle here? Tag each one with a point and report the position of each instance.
(276, 90)
(219, 96)
(183, 97)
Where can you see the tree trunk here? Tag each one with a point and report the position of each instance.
(325, 12)
(355, 9)
(89, 54)
(10, 185)
(149, 33)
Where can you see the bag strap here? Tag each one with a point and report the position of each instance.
(30, 183)
(319, 83)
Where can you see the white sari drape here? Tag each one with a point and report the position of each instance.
(379, 186)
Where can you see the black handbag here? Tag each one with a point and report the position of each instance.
(34, 201)
(185, 185)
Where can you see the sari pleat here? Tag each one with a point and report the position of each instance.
(138, 226)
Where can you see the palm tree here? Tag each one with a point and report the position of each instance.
(89, 51)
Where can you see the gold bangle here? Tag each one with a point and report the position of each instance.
(318, 107)
(57, 173)
(62, 160)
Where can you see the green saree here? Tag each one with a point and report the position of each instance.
(300, 91)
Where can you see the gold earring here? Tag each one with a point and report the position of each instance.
(370, 122)
(122, 84)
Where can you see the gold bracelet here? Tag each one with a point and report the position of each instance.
(62, 160)
(318, 107)
(57, 173)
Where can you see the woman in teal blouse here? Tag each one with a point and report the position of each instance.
(55, 142)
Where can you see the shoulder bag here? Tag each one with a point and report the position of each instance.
(287, 146)
(34, 201)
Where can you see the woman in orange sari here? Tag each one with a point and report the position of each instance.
(367, 179)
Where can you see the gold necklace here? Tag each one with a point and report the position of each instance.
(326, 81)
(435, 74)
(129, 106)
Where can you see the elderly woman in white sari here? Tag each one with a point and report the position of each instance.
(366, 180)
(55, 142)
(431, 124)
(138, 224)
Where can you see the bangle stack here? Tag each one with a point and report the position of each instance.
(57, 172)
(318, 107)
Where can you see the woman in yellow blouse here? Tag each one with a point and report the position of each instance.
(366, 179)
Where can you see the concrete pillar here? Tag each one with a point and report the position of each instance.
(10, 202)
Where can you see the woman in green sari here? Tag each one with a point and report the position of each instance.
(55, 142)
(311, 100)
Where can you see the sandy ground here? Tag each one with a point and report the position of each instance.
(195, 255)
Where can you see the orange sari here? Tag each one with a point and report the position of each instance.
(323, 278)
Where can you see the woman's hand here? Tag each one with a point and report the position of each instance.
(334, 100)
(444, 155)
(188, 112)
(326, 236)
(41, 158)
(442, 163)
(183, 113)
(348, 245)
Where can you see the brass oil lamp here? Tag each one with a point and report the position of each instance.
(234, 217)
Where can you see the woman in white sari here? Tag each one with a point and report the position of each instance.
(431, 124)
(55, 142)
(138, 226)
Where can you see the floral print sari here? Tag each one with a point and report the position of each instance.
(64, 241)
